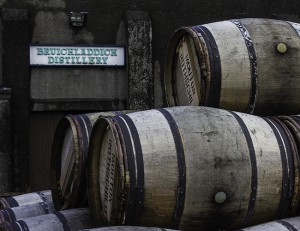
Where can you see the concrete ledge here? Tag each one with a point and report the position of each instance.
(82, 105)
(16, 36)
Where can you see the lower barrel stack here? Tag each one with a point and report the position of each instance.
(178, 168)
(192, 168)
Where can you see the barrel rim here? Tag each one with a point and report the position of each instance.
(79, 168)
(169, 63)
(293, 204)
(294, 131)
(55, 161)
(94, 199)
(119, 201)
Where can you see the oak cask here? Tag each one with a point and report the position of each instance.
(247, 65)
(191, 168)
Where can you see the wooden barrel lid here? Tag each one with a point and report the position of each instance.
(106, 173)
(185, 69)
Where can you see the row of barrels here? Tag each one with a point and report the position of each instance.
(185, 167)
(35, 212)
(32, 216)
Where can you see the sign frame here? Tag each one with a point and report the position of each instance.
(104, 52)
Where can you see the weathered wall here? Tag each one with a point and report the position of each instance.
(144, 26)
(58, 88)
(15, 36)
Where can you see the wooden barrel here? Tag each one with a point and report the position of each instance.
(289, 224)
(25, 199)
(72, 219)
(25, 211)
(247, 65)
(191, 168)
(68, 159)
(128, 228)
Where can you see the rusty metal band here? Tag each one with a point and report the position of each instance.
(289, 142)
(10, 201)
(88, 124)
(45, 207)
(297, 119)
(85, 130)
(296, 27)
(287, 225)
(63, 221)
(293, 133)
(20, 225)
(287, 167)
(140, 168)
(253, 63)
(132, 197)
(8, 214)
(252, 155)
(42, 196)
(79, 162)
(130, 209)
(181, 168)
(215, 66)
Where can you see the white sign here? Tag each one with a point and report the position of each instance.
(77, 56)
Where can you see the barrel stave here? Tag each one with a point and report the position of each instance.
(235, 66)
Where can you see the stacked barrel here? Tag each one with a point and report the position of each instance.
(246, 65)
(195, 167)
(223, 155)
